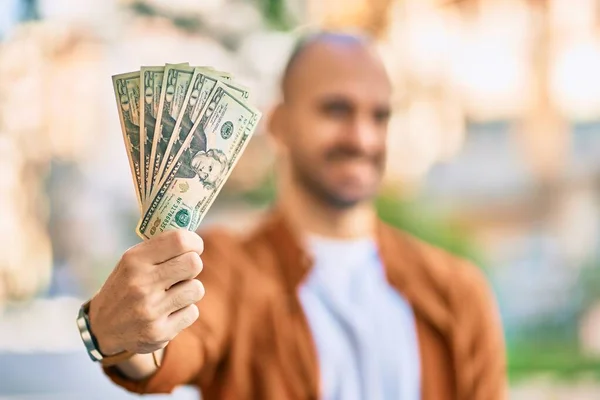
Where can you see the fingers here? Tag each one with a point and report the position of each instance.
(168, 245)
(183, 318)
(181, 268)
(182, 295)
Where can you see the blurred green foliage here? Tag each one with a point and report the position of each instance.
(551, 346)
(558, 361)
(276, 14)
(188, 23)
(418, 219)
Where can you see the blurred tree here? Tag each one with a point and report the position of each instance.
(189, 23)
(418, 220)
(276, 14)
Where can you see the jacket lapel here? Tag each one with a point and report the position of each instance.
(406, 274)
(403, 263)
(295, 265)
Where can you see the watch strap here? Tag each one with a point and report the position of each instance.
(109, 361)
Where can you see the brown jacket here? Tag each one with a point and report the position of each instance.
(252, 340)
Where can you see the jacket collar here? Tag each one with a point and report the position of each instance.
(402, 256)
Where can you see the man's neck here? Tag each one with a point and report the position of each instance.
(311, 216)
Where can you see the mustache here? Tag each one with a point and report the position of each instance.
(343, 153)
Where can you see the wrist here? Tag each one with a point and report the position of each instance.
(91, 343)
(103, 341)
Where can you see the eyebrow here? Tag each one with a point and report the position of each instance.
(334, 98)
(339, 99)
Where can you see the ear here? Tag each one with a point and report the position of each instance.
(277, 125)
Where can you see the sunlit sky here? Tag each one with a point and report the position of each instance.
(9, 14)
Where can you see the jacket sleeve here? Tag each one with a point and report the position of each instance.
(178, 367)
(479, 337)
(193, 355)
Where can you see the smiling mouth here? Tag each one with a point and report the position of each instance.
(355, 162)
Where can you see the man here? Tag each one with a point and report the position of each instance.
(322, 300)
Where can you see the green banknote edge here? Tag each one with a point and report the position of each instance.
(135, 172)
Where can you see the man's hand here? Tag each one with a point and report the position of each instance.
(150, 296)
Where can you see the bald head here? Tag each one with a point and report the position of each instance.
(332, 122)
(317, 50)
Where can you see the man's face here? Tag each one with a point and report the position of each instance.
(336, 118)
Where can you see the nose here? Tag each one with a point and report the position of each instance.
(365, 134)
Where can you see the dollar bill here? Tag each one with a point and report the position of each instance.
(203, 84)
(127, 92)
(226, 76)
(152, 81)
(203, 164)
(177, 80)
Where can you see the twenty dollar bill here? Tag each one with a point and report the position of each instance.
(152, 81)
(177, 80)
(204, 162)
(202, 85)
(127, 93)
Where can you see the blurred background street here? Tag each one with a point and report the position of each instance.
(494, 155)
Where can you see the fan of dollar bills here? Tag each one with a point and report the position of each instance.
(184, 129)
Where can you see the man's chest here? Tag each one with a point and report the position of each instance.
(311, 345)
(363, 330)
(296, 350)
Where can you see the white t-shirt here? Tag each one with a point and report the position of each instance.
(364, 330)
